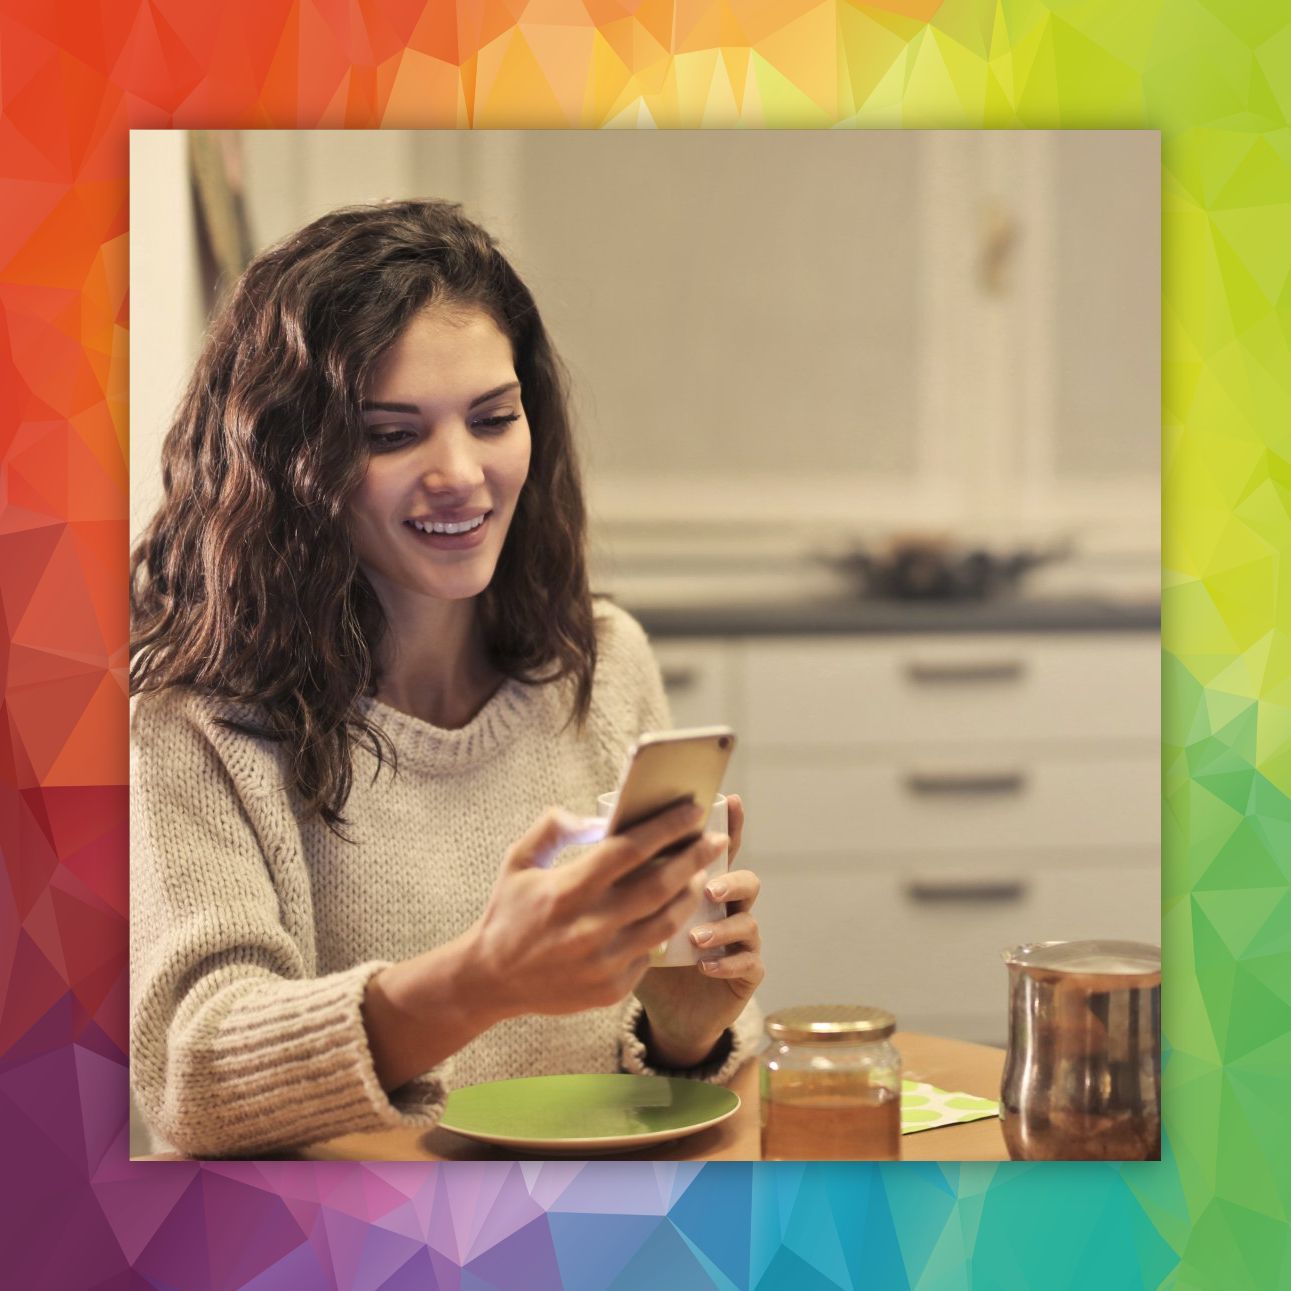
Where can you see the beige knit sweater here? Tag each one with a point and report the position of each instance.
(254, 930)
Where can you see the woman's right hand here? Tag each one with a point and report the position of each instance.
(549, 941)
(578, 937)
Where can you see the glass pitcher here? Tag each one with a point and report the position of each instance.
(1082, 1076)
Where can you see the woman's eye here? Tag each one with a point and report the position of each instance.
(497, 423)
(381, 439)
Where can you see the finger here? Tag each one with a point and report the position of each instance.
(645, 934)
(735, 822)
(746, 966)
(738, 888)
(649, 888)
(728, 932)
(554, 829)
(622, 853)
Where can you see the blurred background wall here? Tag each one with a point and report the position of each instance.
(856, 329)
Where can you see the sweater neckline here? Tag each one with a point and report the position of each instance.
(441, 749)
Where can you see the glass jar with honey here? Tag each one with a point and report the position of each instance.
(830, 1083)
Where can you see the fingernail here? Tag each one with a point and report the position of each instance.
(709, 965)
(700, 935)
(716, 890)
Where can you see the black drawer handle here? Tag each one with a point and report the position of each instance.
(965, 782)
(966, 670)
(931, 891)
(679, 678)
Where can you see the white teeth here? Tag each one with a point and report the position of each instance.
(427, 526)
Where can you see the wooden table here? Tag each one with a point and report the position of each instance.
(949, 1064)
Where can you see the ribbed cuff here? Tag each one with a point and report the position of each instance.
(290, 1064)
(728, 1056)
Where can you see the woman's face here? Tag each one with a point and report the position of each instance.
(448, 454)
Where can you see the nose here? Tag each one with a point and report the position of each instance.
(450, 461)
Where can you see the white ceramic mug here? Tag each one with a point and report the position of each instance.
(679, 951)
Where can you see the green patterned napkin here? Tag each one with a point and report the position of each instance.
(925, 1107)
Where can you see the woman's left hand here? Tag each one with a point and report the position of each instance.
(689, 1008)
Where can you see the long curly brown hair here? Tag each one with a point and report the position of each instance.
(246, 586)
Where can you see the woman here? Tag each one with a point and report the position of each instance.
(367, 660)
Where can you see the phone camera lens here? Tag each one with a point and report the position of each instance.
(724, 742)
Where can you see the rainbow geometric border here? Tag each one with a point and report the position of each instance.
(1213, 75)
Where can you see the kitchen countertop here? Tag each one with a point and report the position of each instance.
(860, 615)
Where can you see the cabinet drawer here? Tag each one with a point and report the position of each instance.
(971, 689)
(697, 681)
(921, 803)
(869, 938)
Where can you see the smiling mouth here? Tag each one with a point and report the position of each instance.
(448, 527)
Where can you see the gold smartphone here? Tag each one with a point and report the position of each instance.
(669, 768)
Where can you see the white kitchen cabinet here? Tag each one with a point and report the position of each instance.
(924, 938)
(1042, 689)
(698, 680)
(909, 800)
(917, 804)
(701, 678)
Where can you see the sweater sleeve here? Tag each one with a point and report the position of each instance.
(654, 713)
(237, 1047)
(738, 1044)
(630, 689)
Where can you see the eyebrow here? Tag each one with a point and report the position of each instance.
(381, 405)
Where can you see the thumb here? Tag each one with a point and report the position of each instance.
(555, 829)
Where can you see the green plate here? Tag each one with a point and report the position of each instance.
(586, 1114)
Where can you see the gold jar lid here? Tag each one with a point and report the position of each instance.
(824, 1023)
